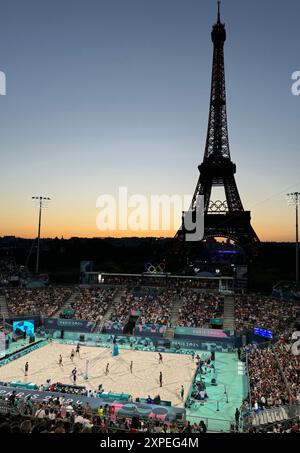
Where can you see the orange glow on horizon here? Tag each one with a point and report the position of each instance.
(265, 235)
(270, 223)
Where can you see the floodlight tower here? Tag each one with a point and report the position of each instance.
(294, 200)
(41, 202)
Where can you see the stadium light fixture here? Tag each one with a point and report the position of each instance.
(294, 200)
(40, 202)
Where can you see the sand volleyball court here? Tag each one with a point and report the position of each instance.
(177, 370)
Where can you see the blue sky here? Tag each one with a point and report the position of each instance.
(104, 93)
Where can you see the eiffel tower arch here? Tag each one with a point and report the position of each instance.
(222, 218)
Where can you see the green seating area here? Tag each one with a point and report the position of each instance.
(114, 396)
(24, 385)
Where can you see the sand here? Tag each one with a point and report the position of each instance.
(43, 364)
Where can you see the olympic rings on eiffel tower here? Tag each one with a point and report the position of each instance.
(155, 269)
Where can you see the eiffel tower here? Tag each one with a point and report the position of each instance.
(226, 218)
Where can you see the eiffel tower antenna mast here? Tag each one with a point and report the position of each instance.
(219, 21)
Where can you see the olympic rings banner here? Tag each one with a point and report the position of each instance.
(157, 268)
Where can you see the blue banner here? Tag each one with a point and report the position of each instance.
(72, 325)
(182, 332)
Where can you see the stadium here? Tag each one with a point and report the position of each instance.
(118, 318)
(180, 355)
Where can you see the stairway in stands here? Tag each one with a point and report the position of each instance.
(177, 304)
(66, 304)
(229, 319)
(106, 317)
(3, 306)
(269, 416)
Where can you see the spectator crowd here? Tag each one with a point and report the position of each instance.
(91, 304)
(153, 308)
(36, 301)
(198, 308)
(263, 312)
(59, 416)
(274, 373)
(10, 272)
(267, 385)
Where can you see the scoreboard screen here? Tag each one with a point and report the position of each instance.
(263, 333)
(24, 326)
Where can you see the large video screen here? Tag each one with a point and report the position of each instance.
(263, 333)
(19, 327)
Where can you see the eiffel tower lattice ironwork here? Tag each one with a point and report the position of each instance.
(221, 218)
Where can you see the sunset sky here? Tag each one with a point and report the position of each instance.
(110, 93)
